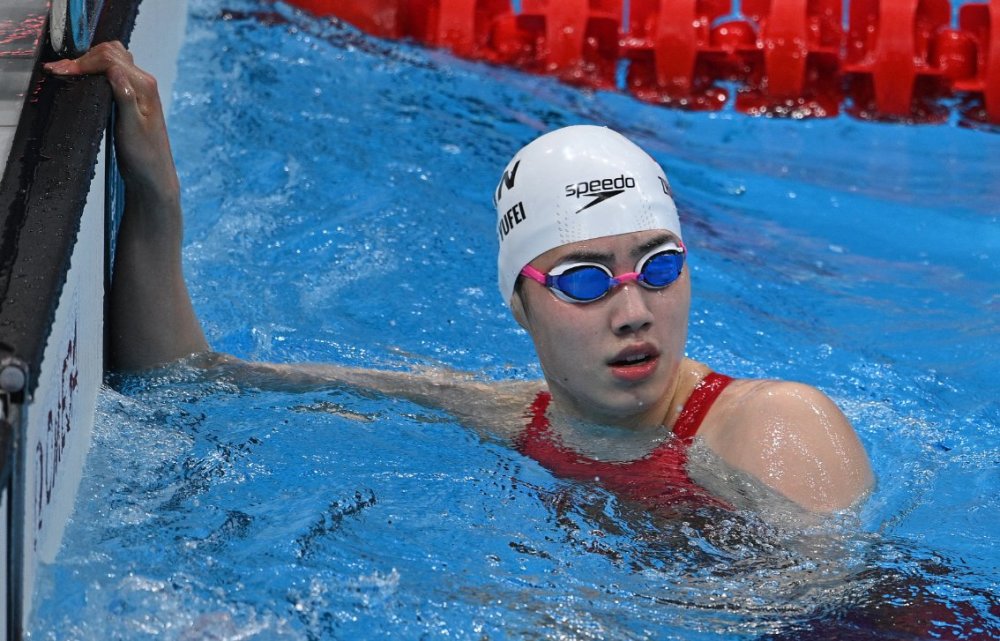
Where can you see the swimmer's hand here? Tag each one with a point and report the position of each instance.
(142, 143)
(151, 318)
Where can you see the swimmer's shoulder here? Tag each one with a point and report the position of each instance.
(793, 438)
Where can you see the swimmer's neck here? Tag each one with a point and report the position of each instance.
(572, 416)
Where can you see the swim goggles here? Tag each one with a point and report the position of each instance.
(587, 282)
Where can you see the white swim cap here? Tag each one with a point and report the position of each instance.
(572, 184)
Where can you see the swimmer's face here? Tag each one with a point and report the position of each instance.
(614, 360)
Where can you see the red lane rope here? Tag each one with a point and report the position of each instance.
(895, 59)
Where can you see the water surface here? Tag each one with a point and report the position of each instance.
(337, 191)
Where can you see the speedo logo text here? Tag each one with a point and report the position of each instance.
(599, 190)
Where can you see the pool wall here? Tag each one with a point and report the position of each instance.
(59, 204)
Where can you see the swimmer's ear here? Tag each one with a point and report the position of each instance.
(517, 307)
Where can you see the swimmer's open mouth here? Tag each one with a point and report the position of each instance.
(631, 360)
(635, 364)
(632, 356)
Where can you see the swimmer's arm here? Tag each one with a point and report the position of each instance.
(796, 441)
(151, 318)
(494, 408)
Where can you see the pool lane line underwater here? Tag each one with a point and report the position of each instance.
(58, 208)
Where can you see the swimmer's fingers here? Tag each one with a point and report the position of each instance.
(130, 84)
(100, 59)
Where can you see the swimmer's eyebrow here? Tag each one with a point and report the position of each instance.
(652, 243)
(586, 257)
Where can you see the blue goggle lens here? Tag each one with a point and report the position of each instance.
(662, 269)
(583, 283)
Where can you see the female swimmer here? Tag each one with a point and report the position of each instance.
(592, 263)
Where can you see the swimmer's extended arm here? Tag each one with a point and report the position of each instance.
(795, 440)
(151, 319)
(494, 408)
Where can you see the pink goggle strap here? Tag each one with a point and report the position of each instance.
(533, 274)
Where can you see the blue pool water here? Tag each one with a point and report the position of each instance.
(337, 198)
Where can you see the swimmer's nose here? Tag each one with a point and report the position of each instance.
(629, 311)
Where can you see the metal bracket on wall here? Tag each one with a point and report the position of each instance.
(13, 383)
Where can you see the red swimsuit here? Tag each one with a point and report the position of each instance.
(657, 480)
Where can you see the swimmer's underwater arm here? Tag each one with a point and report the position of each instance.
(493, 408)
(795, 440)
(151, 318)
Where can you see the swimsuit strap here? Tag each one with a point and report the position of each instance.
(537, 412)
(538, 428)
(698, 404)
